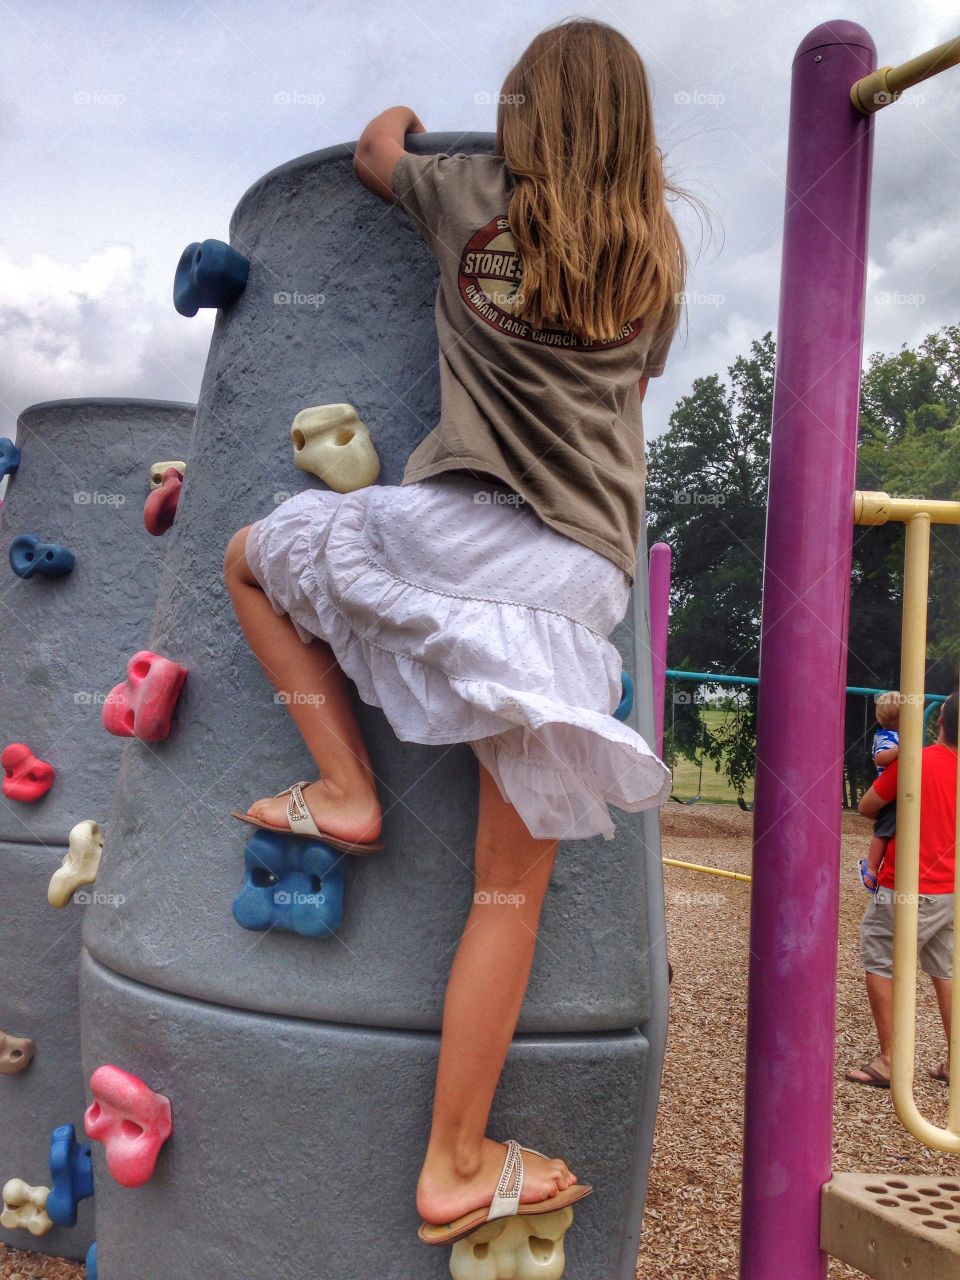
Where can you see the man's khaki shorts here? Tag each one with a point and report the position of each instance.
(934, 934)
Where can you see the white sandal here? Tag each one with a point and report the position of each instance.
(505, 1202)
(302, 823)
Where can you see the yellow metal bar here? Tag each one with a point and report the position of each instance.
(907, 872)
(879, 508)
(885, 85)
(710, 871)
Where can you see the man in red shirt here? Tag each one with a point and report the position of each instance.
(938, 823)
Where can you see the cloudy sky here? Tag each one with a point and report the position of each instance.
(130, 129)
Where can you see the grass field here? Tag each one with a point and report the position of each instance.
(716, 785)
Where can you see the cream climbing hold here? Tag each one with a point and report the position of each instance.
(25, 1207)
(16, 1053)
(159, 469)
(80, 865)
(332, 443)
(519, 1248)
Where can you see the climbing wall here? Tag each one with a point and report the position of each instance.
(300, 1070)
(81, 484)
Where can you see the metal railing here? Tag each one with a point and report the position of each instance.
(917, 516)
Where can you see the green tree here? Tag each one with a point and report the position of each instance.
(909, 446)
(706, 497)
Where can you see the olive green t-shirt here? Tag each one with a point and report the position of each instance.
(557, 419)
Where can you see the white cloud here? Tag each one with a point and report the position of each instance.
(92, 327)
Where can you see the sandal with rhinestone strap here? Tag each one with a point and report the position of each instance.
(302, 823)
(505, 1202)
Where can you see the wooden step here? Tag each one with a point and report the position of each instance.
(893, 1225)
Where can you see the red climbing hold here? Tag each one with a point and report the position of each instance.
(160, 508)
(142, 706)
(130, 1120)
(25, 778)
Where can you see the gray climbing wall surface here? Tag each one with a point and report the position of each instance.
(65, 642)
(82, 482)
(339, 308)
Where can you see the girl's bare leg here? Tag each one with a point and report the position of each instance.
(484, 994)
(344, 802)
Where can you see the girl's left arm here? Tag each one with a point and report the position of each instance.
(381, 146)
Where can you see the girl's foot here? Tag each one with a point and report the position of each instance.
(444, 1194)
(868, 878)
(353, 815)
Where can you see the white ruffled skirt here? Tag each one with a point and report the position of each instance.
(456, 610)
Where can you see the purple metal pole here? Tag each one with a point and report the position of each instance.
(791, 1009)
(660, 557)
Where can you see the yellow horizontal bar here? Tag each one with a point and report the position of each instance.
(885, 85)
(710, 871)
(879, 508)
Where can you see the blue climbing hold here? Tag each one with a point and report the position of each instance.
(626, 698)
(92, 1262)
(291, 883)
(30, 557)
(9, 456)
(71, 1175)
(210, 274)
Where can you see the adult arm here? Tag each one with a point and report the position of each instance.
(871, 803)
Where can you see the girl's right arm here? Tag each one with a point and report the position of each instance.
(380, 147)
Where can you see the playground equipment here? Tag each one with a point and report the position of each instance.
(659, 573)
(331, 443)
(793, 1214)
(80, 863)
(210, 274)
(31, 558)
(25, 778)
(142, 706)
(917, 515)
(160, 508)
(82, 478)
(312, 1058)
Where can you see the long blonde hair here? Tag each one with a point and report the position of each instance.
(596, 241)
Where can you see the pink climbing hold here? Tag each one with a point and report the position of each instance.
(25, 778)
(160, 508)
(142, 706)
(130, 1120)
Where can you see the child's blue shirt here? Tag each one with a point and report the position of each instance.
(883, 740)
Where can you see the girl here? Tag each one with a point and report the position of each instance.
(492, 576)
